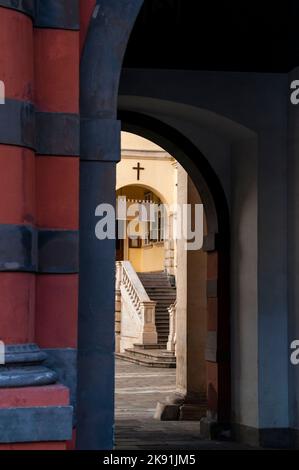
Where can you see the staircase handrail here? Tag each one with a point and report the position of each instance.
(128, 279)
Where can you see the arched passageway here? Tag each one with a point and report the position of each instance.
(234, 109)
(247, 103)
(216, 245)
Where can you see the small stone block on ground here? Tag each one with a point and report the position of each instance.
(166, 412)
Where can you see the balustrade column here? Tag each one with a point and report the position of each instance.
(118, 306)
(149, 332)
(23, 247)
(171, 343)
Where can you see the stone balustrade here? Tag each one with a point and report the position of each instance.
(171, 343)
(135, 312)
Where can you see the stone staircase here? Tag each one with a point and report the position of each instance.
(148, 356)
(159, 289)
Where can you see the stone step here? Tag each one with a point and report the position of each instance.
(156, 293)
(162, 306)
(170, 299)
(147, 277)
(162, 289)
(161, 294)
(162, 299)
(147, 346)
(145, 361)
(155, 275)
(159, 289)
(164, 282)
(155, 355)
(154, 284)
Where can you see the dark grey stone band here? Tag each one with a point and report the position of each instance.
(18, 248)
(38, 424)
(23, 353)
(24, 367)
(57, 134)
(58, 251)
(17, 123)
(98, 135)
(47, 133)
(23, 248)
(24, 6)
(58, 14)
(64, 363)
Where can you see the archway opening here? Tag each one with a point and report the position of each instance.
(200, 386)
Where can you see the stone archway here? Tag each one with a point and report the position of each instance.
(216, 245)
(110, 24)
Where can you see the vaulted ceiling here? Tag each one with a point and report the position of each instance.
(252, 35)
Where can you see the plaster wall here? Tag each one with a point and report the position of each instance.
(238, 121)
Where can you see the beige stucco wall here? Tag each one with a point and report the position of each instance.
(147, 259)
(160, 177)
(191, 306)
(159, 174)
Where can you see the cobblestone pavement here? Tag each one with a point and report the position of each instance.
(137, 391)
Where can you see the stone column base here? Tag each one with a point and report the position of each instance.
(277, 438)
(181, 408)
(35, 418)
(35, 411)
(211, 429)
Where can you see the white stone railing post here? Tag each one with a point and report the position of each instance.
(171, 343)
(118, 276)
(141, 305)
(149, 332)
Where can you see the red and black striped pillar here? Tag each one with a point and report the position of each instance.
(30, 396)
(17, 179)
(56, 42)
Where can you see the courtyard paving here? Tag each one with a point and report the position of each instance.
(138, 389)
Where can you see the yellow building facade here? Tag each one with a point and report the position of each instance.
(147, 174)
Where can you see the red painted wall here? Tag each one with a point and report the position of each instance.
(17, 175)
(57, 184)
(39, 66)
